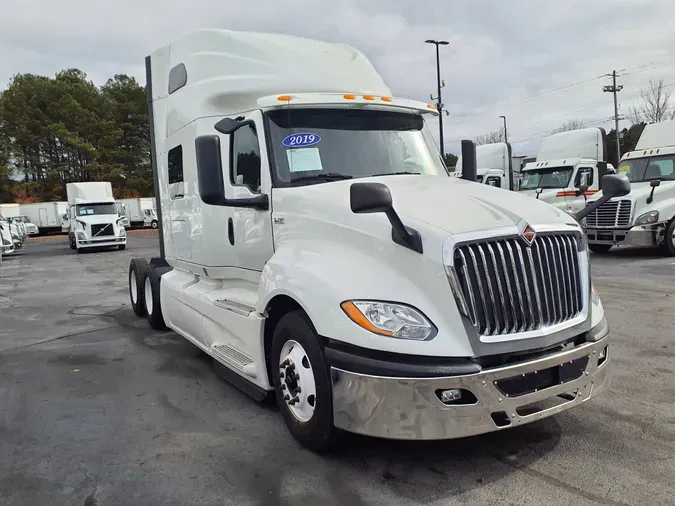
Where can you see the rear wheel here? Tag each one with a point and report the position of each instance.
(138, 270)
(301, 382)
(599, 248)
(153, 308)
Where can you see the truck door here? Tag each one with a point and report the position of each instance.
(585, 176)
(249, 230)
(179, 206)
(42, 217)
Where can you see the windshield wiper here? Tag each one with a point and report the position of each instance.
(329, 176)
(402, 173)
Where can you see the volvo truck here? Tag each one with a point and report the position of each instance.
(645, 217)
(312, 244)
(93, 218)
(569, 168)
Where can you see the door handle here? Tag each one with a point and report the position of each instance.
(230, 230)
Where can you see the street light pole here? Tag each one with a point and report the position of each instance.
(439, 103)
(506, 138)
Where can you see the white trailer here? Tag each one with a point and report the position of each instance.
(47, 216)
(569, 168)
(139, 212)
(646, 217)
(297, 250)
(93, 217)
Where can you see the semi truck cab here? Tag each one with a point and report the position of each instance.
(312, 244)
(645, 217)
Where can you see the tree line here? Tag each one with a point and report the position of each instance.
(64, 129)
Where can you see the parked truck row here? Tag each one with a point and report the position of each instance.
(312, 243)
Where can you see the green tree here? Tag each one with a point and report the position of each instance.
(450, 160)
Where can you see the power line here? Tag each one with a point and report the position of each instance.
(640, 68)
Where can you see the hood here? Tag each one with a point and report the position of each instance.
(451, 204)
(547, 195)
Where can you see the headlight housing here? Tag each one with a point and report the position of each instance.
(647, 218)
(390, 319)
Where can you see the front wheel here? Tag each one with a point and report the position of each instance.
(154, 224)
(599, 248)
(302, 383)
(669, 242)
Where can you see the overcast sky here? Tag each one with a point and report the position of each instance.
(500, 53)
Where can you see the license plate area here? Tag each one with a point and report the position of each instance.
(531, 382)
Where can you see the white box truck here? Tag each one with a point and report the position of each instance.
(93, 218)
(297, 250)
(569, 168)
(47, 216)
(139, 212)
(645, 217)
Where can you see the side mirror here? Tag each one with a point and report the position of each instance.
(582, 190)
(210, 177)
(613, 185)
(469, 162)
(227, 126)
(370, 198)
(654, 184)
(376, 198)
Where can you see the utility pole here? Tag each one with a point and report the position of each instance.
(439, 103)
(506, 138)
(614, 89)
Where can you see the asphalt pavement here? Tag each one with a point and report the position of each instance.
(98, 409)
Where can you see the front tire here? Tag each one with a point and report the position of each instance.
(599, 248)
(138, 270)
(153, 308)
(669, 242)
(302, 383)
(154, 224)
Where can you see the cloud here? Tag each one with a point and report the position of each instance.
(500, 53)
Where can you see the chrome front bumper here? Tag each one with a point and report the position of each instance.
(639, 236)
(106, 241)
(409, 408)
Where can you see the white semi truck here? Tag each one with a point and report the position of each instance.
(93, 217)
(297, 250)
(6, 242)
(139, 212)
(645, 217)
(569, 168)
(495, 165)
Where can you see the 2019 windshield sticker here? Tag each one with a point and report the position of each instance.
(301, 140)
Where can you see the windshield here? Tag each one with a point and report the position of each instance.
(92, 209)
(319, 145)
(648, 169)
(547, 177)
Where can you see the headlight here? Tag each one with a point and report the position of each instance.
(122, 232)
(81, 236)
(594, 296)
(390, 319)
(647, 218)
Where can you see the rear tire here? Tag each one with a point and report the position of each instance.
(138, 270)
(599, 248)
(669, 242)
(311, 425)
(153, 309)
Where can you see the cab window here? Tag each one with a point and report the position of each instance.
(584, 176)
(494, 181)
(245, 162)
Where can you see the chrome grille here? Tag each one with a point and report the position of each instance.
(509, 287)
(611, 214)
